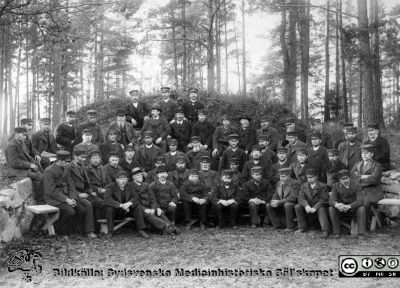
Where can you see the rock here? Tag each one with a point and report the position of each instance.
(9, 199)
(23, 187)
(9, 229)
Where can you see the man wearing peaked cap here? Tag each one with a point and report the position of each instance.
(171, 157)
(204, 129)
(196, 152)
(380, 145)
(221, 140)
(349, 150)
(192, 106)
(256, 159)
(67, 133)
(316, 126)
(346, 202)
(126, 132)
(331, 168)
(112, 167)
(148, 152)
(97, 178)
(283, 162)
(159, 126)
(152, 175)
(208, 176)
(137, 111)
(317, 153)
(313, 204)
(86, 144)
(110, 145)
(300, 166)
(293, 145)
(181, 130)
(44, 141)
(247, 135)
(233, 151)
(129, 161)
(270, 133)
(168, 106)
(91, 123)
(258, 192)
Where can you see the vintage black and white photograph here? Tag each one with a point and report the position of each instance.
(199, 143)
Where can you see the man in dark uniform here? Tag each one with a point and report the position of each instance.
(112, 168)
(269, 132)
(159, 126)
(166, 194)
(283, 162)
(126, 132)
(207, 176)
(44, 141)
(181, 174)
(96, 174)
(181, 130)
(21, 163)
(67, 134)
(152, 175)
(227, 198)
(194, 194)
(283, 201)
(221, 140)
(257, 192)
(316, 126)
(192, 106)
(204, 129)
(300, 167)
(313, 204)
(110, 146)
(381, 146)
(247, 134)
(317, 154)
(291, 125)
(293, 145)
(255, 160)
(233, 151)
(346, 202)
(78, 187)
(129, 161)
(137, 112)
(331, 168)
(349, 151)
(91, 123)
(121, 201)
(172, 155)
(148, 152)
(195, 154)
(168, 106)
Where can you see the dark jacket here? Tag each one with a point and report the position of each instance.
(263, 191)
(370, 186)
(53, 185)
(247, 138)
(273, 136)
(329, 172)
(147, 156)
(18, 158)
(292, 150)
(66, 136)
(194, 158)
(168, 109)
(221, 137)
(273, 175)
(205, 131)
(228, 154)
(107, 147)
(381, 152)
(146, 197)
(137, 113)
(127, 167)
(97, 177)
(246, 171)
(128, 132)
(325, 140)
(210, 178)
(182, 133)
(179, 181)
(191, 110)
(97, 134)
(114, 197)
(111, 173)
(44, 142)
(77, 180)
(164, 193)
(190, 190)
(170, 160)
(299, 173)
(349, 159)
(159, 127)
(352, 196)
(315, 198)
(318, 158)
(223, 193)
(286, 192)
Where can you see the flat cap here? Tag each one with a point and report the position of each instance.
(179, 110)
(311, 172)
(173, 141)
(165, 88)
(233, 136)
(156, 107)
(193, 90)
(87, 131)
(129, 148)
(291, 132)
(195, 139)
(45, 120)
(343, 173)
(122, 174)
(79, 151)
(282, 149)
(367, 147)
(25, 121)
(20, 130)
(315, 134)
(93, 153)
(256, 169)
(256, 148)
(285, 171)
(245, 116)
(92, 112)
(333, 152)
(120, 112)
(227, 172)
(205, 158)
(161, 169)
(351, 129)
(373, 126)
(136, 170)
(63, 155)
(302, 151)
(147, 133)
(70, 113)
(290, 121)
(160, 160)
(194, 172)
(348, 124)
(133, 91)
(113, 154)
(234, 160)
(180, 158)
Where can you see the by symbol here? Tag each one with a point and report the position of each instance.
(380, 263)
(367, 263)
(392, 263)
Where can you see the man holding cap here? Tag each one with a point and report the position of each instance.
(181, 130)
(247, 134)
(20, 160)
(67, 133)
(121, 201)
(346, 202)
(271, 134)
(137, 111)
(191, 107)
(313, 204)
(381, 146)
(281, 207)
(350, 151)
(91, 123)
(204, 129)
(44, 141)
(126, 133)
(168, 106)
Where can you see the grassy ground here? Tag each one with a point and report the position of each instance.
(210, 249)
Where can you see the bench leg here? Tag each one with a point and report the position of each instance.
(123, 222)
(375, 221)
(103, 228)
(354, 228)
(49, 223)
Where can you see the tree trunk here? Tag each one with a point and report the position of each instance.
(210, 49)
(173, 27)
(237, 55)
(226, 49)
(218, 45)
(304, 25)
(292, 73)
(2, 69)
(244, 49)
(344, 84)
(337, 67)
(327, 113)
(184, 52)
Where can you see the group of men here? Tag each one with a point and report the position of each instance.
(154, 163)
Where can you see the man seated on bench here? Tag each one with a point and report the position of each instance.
(149, 204)
(21, 162)
(120, 202)
(346, 201)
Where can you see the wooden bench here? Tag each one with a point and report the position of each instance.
(104, 228)
(46, 210)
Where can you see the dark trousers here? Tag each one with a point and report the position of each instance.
(304, 219)
(170, 212)
(158, 222)
(254, 210)
(117, 213)
(163, 146)
(83, 208)
(282, 212)
(37, 193)
(233, 211)
(201, 209)
(336, 216)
